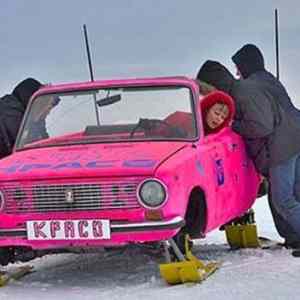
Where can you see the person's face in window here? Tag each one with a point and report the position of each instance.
(216, 115)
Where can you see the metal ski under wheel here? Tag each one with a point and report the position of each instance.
(16, 274)
(182, 268)
(242, 232)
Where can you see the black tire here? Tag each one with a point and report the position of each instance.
(6, 256)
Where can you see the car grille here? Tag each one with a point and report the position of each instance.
(44, 197)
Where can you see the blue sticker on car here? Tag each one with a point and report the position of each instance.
(220, 171)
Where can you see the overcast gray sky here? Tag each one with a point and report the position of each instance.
(131, 38)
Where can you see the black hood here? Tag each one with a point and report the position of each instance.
(216, 74)
(25, 89)
(249, 60)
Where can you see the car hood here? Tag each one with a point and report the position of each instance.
(126, 159)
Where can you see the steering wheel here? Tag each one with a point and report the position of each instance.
(151, 125)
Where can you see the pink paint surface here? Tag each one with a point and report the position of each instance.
(217, 163)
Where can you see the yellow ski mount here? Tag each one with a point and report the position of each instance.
(242, 232)
(187, 268)
(16, 274)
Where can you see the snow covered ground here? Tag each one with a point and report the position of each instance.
(132, 273)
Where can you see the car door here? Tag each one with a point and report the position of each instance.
(237, 168)
(221, 180)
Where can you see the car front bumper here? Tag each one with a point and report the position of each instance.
(120, 234)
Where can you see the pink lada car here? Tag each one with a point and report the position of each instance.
(107, 163)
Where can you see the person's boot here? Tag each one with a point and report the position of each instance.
(289, 244)
(296, 253)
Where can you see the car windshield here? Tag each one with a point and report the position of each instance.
(104, 115)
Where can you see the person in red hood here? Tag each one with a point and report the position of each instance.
(217, 111)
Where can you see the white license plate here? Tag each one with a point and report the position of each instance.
(68, 230)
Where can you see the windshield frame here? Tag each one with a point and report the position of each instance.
(193, 102)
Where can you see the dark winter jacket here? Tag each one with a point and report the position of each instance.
(268, 83)
(250, 62)
(12, 109)
(271, 134)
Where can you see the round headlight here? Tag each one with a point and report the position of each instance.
(152, 193)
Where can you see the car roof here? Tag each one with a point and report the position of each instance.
(77, 86)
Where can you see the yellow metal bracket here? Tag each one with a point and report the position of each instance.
(242, 233)
(16, 274)
(242, 236)
(188, 268)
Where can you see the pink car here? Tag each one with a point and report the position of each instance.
(107, 163)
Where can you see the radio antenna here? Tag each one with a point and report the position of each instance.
(277, 43)
(91, 70)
